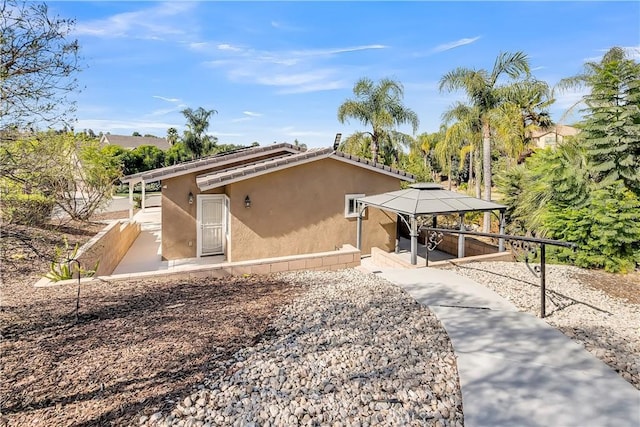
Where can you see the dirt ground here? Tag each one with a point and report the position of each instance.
(137, 346)
(625, 287)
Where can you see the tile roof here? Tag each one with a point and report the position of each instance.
(250, 170)
(238, 173)
(562, 130)
(355, 159)
(208, 162)
(249, 162)
(132, 142)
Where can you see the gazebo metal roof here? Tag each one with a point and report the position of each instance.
(428, 199)
(425, 199)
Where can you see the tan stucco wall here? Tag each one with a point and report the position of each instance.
(179, 232)
(301, 210)
(298, 210)
(108, 247)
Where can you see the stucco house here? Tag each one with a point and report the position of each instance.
(271, 201)
(552, 136)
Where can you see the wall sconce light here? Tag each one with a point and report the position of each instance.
(247, 202)
(190, 198)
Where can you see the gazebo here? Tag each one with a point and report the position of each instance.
(427, 199)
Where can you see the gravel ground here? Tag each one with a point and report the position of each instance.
(607, 327)
(354, 350)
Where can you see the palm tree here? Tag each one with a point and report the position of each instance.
(448, 147)
(466, 131)
(379, 106)
(524, 112)
(172, 135)
(195, 138)
(483, 92)
(358, 144)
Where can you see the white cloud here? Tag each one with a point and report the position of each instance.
(223, 134)
(226, 46)
(285, 27)
(252, 114)
(568, 101)
(172, 100)
(294, 71)
(153, 23)
(633, 52)
(455, 44)
(316, 87)
(336, 51)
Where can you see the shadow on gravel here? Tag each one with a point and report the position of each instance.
(558, 300)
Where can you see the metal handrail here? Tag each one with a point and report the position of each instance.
(504, 236)
(524, 245)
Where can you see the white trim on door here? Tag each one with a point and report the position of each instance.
(225, 222)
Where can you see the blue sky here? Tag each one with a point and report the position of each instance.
(277, 71)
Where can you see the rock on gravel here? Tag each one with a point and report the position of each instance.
(609, 328)
(354, 350)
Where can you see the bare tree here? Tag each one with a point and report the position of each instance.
(38, 64)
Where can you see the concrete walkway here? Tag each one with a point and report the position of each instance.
(515, 369)
(145, 254)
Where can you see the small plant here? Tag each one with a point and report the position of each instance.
(61, 269)
(137, 201)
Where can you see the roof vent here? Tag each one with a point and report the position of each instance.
(426, 186)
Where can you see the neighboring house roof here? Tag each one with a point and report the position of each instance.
(251, 162)
(561, 130)
(132, 142)
(428, 199)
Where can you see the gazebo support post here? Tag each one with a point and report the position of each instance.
(461, 237)
(414, 240)
(501, 240)
(398, 228)
(131, 184)
(143, 204)
(359, 231)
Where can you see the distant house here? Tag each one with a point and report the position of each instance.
(271, 201)
(132, 142)
(553, 136)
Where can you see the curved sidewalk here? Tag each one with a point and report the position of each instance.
(515, 369)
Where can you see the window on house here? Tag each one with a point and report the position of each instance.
(351, 205)
(549, 141)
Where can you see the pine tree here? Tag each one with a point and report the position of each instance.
(611, 129)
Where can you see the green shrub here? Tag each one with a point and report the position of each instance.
(62, 267)
(607, 230)
(28, 209)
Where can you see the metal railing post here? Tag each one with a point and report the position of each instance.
(521, 242)
(543, 282)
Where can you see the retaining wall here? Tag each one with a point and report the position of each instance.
(346, 257)
(389, 260)
(472, 247)
(108, 247)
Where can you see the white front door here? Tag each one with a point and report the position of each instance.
(212, 224)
